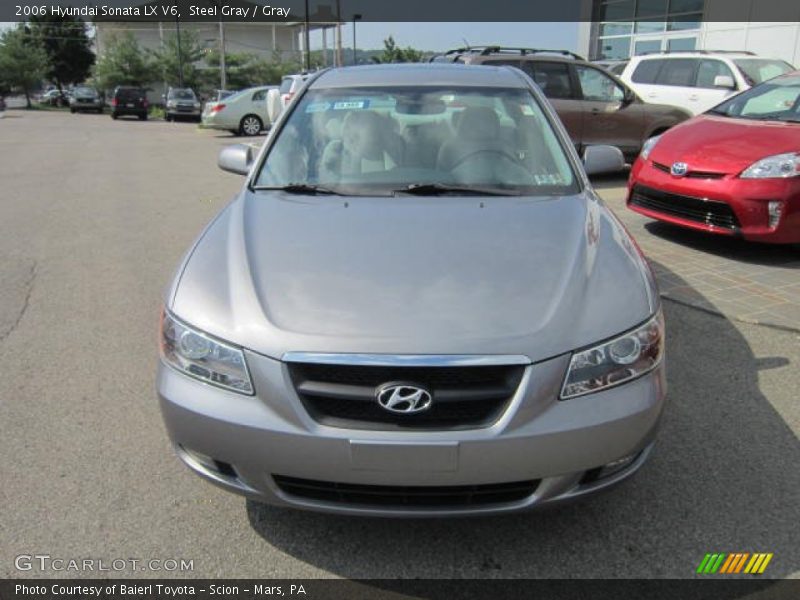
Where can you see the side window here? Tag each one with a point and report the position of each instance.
(501, 62)
(551, 77)
(647, 71)
(678, 71)
(708, 70)
(597, 86)
(260, 95)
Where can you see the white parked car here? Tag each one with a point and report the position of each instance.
(243, 113)
(697, 81)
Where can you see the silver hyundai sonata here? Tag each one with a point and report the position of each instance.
(416, 306)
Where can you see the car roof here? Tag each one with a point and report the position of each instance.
(417, 74)
(696, 54)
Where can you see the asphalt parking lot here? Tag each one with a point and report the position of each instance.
(95, 214)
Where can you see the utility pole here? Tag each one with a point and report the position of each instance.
(180, 53)
(307, 42)
(223, 82)
(338, 33)
(356, 17)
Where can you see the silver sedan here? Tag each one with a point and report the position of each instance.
(416, 306)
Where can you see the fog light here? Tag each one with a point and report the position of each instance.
(210, 464)
(774, 208)
(615, 466)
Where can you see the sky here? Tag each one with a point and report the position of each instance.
(443, 36)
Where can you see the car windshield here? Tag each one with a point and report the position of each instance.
(181, 95)
(758, 70)
(775, 100)
(423, 140)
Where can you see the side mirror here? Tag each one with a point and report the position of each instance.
(236, 159)
(724, 81)
(629, 97)
(602, 159)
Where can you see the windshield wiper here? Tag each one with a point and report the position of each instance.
(301, 188)
(439, 189)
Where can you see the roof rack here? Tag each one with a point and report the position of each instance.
(748, 52)
(486, 50)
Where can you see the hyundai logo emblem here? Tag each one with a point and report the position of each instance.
(679, 169)
(403, 398)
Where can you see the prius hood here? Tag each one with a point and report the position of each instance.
(715, 144)
(278, 273)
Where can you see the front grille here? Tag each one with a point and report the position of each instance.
(406, 496)
(462, 397)
(691, 174)
(700, 210)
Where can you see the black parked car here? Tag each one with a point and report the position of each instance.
(128, 100)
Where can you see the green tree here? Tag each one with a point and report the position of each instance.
(23, 63)
(243, 70)
(69, 50)
(392, 53)
(123, 63)
(166, 62)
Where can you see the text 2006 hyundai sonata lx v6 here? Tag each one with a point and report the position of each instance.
(416, 306)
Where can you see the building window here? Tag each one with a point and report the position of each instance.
(647, 46)
(682, 44)
(623, 21)
(614, 48)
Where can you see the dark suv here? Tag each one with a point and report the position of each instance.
(129, 101)
(594, 105)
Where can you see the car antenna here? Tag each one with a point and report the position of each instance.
(466, 43)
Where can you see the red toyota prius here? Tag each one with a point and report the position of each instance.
(733, 170)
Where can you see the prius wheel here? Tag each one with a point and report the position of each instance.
(250, 125)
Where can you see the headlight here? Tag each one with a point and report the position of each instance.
(197, 105)
(774, 167)
(648, 145)
(614, 362)
(201, 356)
(172, 104)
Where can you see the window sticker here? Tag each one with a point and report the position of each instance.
(350, 104)
(527, 110)
(318, 107)
(549, 179)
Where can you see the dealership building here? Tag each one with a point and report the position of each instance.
(620, 29)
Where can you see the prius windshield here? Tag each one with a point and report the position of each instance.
(387, 140)
(775, 100)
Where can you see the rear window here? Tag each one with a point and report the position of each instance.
(286, 85)
(678, 72)
(647, 71)
(130, 93)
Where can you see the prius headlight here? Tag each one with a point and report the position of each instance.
(648, 146)
(616, 361)
(778, 166)
(204, 357)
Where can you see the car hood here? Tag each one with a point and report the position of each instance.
(714, 144)
(437, 275)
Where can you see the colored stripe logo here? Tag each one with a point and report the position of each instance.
(734, 563)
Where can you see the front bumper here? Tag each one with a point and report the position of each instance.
(747, 198)
(194, 113)
(252, 439)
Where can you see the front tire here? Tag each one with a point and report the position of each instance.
(114, 116)
(143, 117)
(250, 125)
